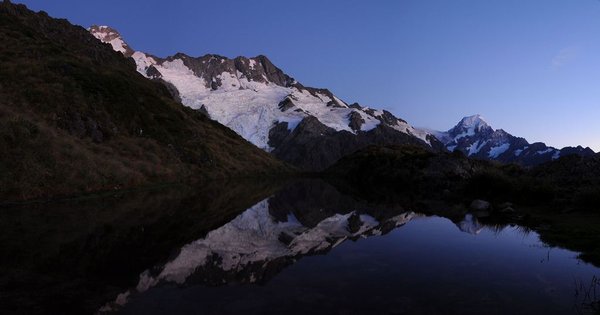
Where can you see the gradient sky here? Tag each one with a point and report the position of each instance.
(531, 67)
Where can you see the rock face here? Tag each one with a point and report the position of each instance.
(314, 146)
(259, 101)
(355, 121)
(474, 137)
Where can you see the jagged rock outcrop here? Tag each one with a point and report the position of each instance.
(314, 146)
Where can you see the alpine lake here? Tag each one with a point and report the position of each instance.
(295, 247)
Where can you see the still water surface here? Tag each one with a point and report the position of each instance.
(285, 255)
(305, 248)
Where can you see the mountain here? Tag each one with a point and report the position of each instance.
(308, 127)
(474, 137)
(75, 116)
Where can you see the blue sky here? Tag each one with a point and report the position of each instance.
(530, 67)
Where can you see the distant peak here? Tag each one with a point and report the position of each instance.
(469, 126)
(473, 121)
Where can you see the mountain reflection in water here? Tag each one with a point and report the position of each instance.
(254, 246)
(272, 248)
(310, 217)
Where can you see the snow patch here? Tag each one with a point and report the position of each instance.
(370, 121)
(419, 133)
(544, 151)
(518, 152)
(497, 150)
(476, 147)
(143, 62)
(467, 133)
(118, 45)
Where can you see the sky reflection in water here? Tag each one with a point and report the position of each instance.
(365, 262)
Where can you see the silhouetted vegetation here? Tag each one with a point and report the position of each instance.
(564, 183)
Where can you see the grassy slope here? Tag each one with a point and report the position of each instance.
(75, 116)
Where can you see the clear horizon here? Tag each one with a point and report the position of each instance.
(529, 68)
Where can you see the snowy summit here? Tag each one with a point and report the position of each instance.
(265, 106)
(474, 137)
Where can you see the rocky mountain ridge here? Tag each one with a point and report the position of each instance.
(308, 127)
(271, 109)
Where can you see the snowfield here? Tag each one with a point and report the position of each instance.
(249, 107)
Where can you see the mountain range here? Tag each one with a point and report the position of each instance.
(307, 127)
(77, 116)
(311, 127)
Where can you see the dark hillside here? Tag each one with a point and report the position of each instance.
(569, 183)
(75, 116)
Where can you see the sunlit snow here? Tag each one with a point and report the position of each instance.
(249, 107)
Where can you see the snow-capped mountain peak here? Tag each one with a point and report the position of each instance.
(476, 122)
(469, 126)
(265, 106)
(476, 138)
(310, 127)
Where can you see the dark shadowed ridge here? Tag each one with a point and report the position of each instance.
(76, 117)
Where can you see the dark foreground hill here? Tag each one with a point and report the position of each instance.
(75, 116)
(570, 183)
